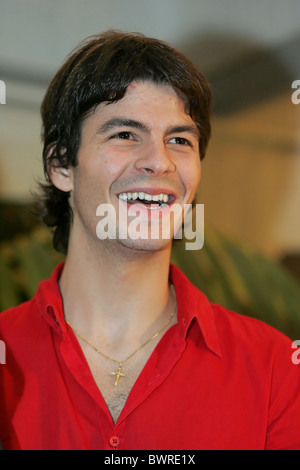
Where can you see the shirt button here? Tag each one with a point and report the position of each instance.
(114, 441)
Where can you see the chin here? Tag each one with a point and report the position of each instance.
(148, 245)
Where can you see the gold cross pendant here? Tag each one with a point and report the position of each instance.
(118, 374)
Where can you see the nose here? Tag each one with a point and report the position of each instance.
(155, 159)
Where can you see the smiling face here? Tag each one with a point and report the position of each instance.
(140, 155)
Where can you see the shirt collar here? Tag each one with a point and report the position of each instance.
(49, 300)
(191, 304)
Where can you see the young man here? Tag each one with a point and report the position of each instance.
(118, 350)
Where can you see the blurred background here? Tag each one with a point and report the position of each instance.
(250, 52)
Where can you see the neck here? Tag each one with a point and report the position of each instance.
(121, 292)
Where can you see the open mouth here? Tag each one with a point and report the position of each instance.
(153, 201)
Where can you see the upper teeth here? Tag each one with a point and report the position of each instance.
(145, 196)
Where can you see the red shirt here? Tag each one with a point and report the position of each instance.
(216, 380)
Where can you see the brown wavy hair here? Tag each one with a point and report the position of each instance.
(100, 70)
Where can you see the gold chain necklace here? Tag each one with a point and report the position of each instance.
(119, 372)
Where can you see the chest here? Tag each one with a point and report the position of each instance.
(115, 396)
(115, 381)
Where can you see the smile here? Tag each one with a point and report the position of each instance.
(160, 200)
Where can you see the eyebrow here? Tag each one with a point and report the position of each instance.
(184, 128)
(124, 122)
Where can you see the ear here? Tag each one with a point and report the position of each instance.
(61, 177)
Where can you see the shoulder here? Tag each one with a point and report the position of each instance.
(252, 339)
(265, 361)
(243, 325)
(16, 319)
(30, 315)
(235, 331)
(15, 314)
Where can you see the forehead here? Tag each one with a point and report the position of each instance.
(148, 102)
(142, 91)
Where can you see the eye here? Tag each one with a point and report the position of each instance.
(125, 135)
(180, 141)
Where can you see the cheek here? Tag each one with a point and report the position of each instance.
(198, 173)
(192, 176)
(103, 165)
(90, 172)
